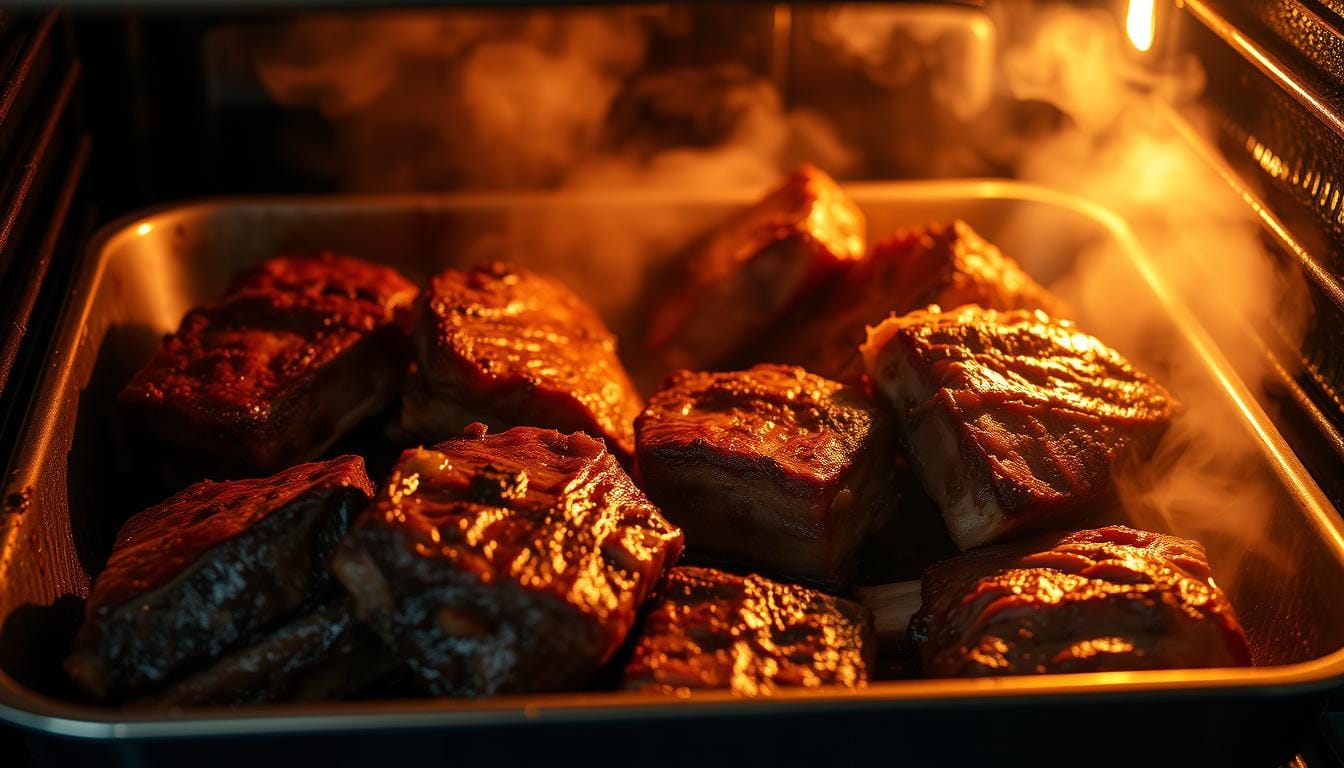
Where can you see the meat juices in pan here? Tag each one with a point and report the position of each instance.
(506, 346)
(506, 563)
(707, 629)
(773, 467)
(1092, 601)
(1014, 419)
(301, 350)
(211, 570)
(752, 270)
(944, 264)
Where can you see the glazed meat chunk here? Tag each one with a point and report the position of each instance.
(751, 271)
(708, 629)
(506, 563)
(944, 264)
(1107, 599)
(301, 350)
(506, 346)
(1014, 419)
(773, 467)
(211, 570)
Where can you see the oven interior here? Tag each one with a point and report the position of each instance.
(1213, 129)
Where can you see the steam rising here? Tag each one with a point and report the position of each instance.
(561, 99)
(516, 100)
(1118, 149)
(430, 100)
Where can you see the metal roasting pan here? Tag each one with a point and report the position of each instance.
(75, 477)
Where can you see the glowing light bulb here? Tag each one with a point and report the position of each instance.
(144, 229)
(1140, 23)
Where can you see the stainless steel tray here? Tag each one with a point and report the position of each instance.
(1279, 550)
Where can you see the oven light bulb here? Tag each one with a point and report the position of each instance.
(1140, 24)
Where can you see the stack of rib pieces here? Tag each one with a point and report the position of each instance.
(831, 414)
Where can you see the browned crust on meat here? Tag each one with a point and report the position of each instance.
(1107, 599)
(509, 562)
(509, 347)
(301, 349)
(771, 467)
(711, 630)
(1039, 413)
(756, 267)
(945, 264)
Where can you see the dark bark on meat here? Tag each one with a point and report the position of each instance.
(321, 655)
(1107, 599)
(712, 630)
(506, 563)
(300, 351)
(509, 347)
(210, 570)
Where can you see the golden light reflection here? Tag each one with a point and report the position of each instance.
(1140, 23)
(144, 229)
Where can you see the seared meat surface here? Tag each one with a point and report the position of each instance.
(708, 629)
(506, 563)
(506, 346)
(753, 269)
(1014, 419)
(210, 570)
(772, 467)
(944, 264)
(1107, 599)
(324, 654)
(301, 350)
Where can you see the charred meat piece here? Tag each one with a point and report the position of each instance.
(754, 269)
(210, 570)
(1107, 599)
(506, 563)
(1014, 419)
(772, 467)
(707, 629)
(321, 655)
(944, 264)
(301, 350)
(508, 347)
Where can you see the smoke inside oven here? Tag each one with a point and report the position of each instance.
(491, 100)
(1118, 148)
(510, 99)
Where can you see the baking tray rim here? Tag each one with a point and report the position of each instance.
(31, 710)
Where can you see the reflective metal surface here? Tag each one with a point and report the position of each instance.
(74, 477)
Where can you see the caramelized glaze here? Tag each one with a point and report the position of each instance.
(506, 562)
(1014, 418)
(944, 264)
(299, 351)
(1107, 599)
(508, 346)
(771, 467)
(708, 629)
(747, 274)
